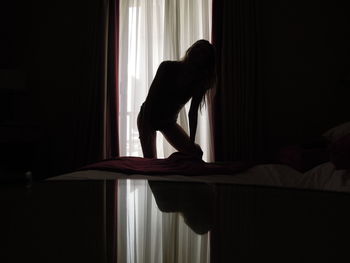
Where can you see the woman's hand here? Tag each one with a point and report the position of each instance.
(197, 151)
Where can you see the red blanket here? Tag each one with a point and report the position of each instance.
(177, 163)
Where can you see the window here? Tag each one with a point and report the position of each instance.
(153, 31)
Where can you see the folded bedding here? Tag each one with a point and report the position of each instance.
(176, 164)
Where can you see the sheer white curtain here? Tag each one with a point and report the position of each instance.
(152, 31)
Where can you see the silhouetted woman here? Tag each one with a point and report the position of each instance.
(174, 84)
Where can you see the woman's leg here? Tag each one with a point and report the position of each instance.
(147, 137)
(180, 140)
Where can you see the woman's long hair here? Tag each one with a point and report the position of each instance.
(201, 57)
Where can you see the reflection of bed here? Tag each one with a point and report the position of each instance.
(321, 164)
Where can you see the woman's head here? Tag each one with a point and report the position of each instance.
(201, 54)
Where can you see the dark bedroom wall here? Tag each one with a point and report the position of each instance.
(50, 41)
(305, 68)
(13, 50)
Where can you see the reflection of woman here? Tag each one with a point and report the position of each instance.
(194, 201)
(175, 83)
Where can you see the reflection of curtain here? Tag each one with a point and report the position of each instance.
(147, 235)
(152, 31)
(238, 97)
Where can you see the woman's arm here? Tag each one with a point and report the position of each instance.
(193, 116)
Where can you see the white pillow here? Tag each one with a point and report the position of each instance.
(326, 177)
(337, 132)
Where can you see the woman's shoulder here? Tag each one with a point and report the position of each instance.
(169, 66)
(170, 63)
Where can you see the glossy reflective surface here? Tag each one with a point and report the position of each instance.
(153, 221)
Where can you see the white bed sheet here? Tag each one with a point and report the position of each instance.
(322, 177)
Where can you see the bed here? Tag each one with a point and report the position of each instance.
(293, 209)
(322, 163)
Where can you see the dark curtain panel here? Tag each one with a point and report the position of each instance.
(97, 123)
(70, 60)
(112, 138)
(237, 102)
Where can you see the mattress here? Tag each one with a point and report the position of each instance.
(321, 177)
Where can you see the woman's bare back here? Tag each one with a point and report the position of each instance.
(170, 90)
